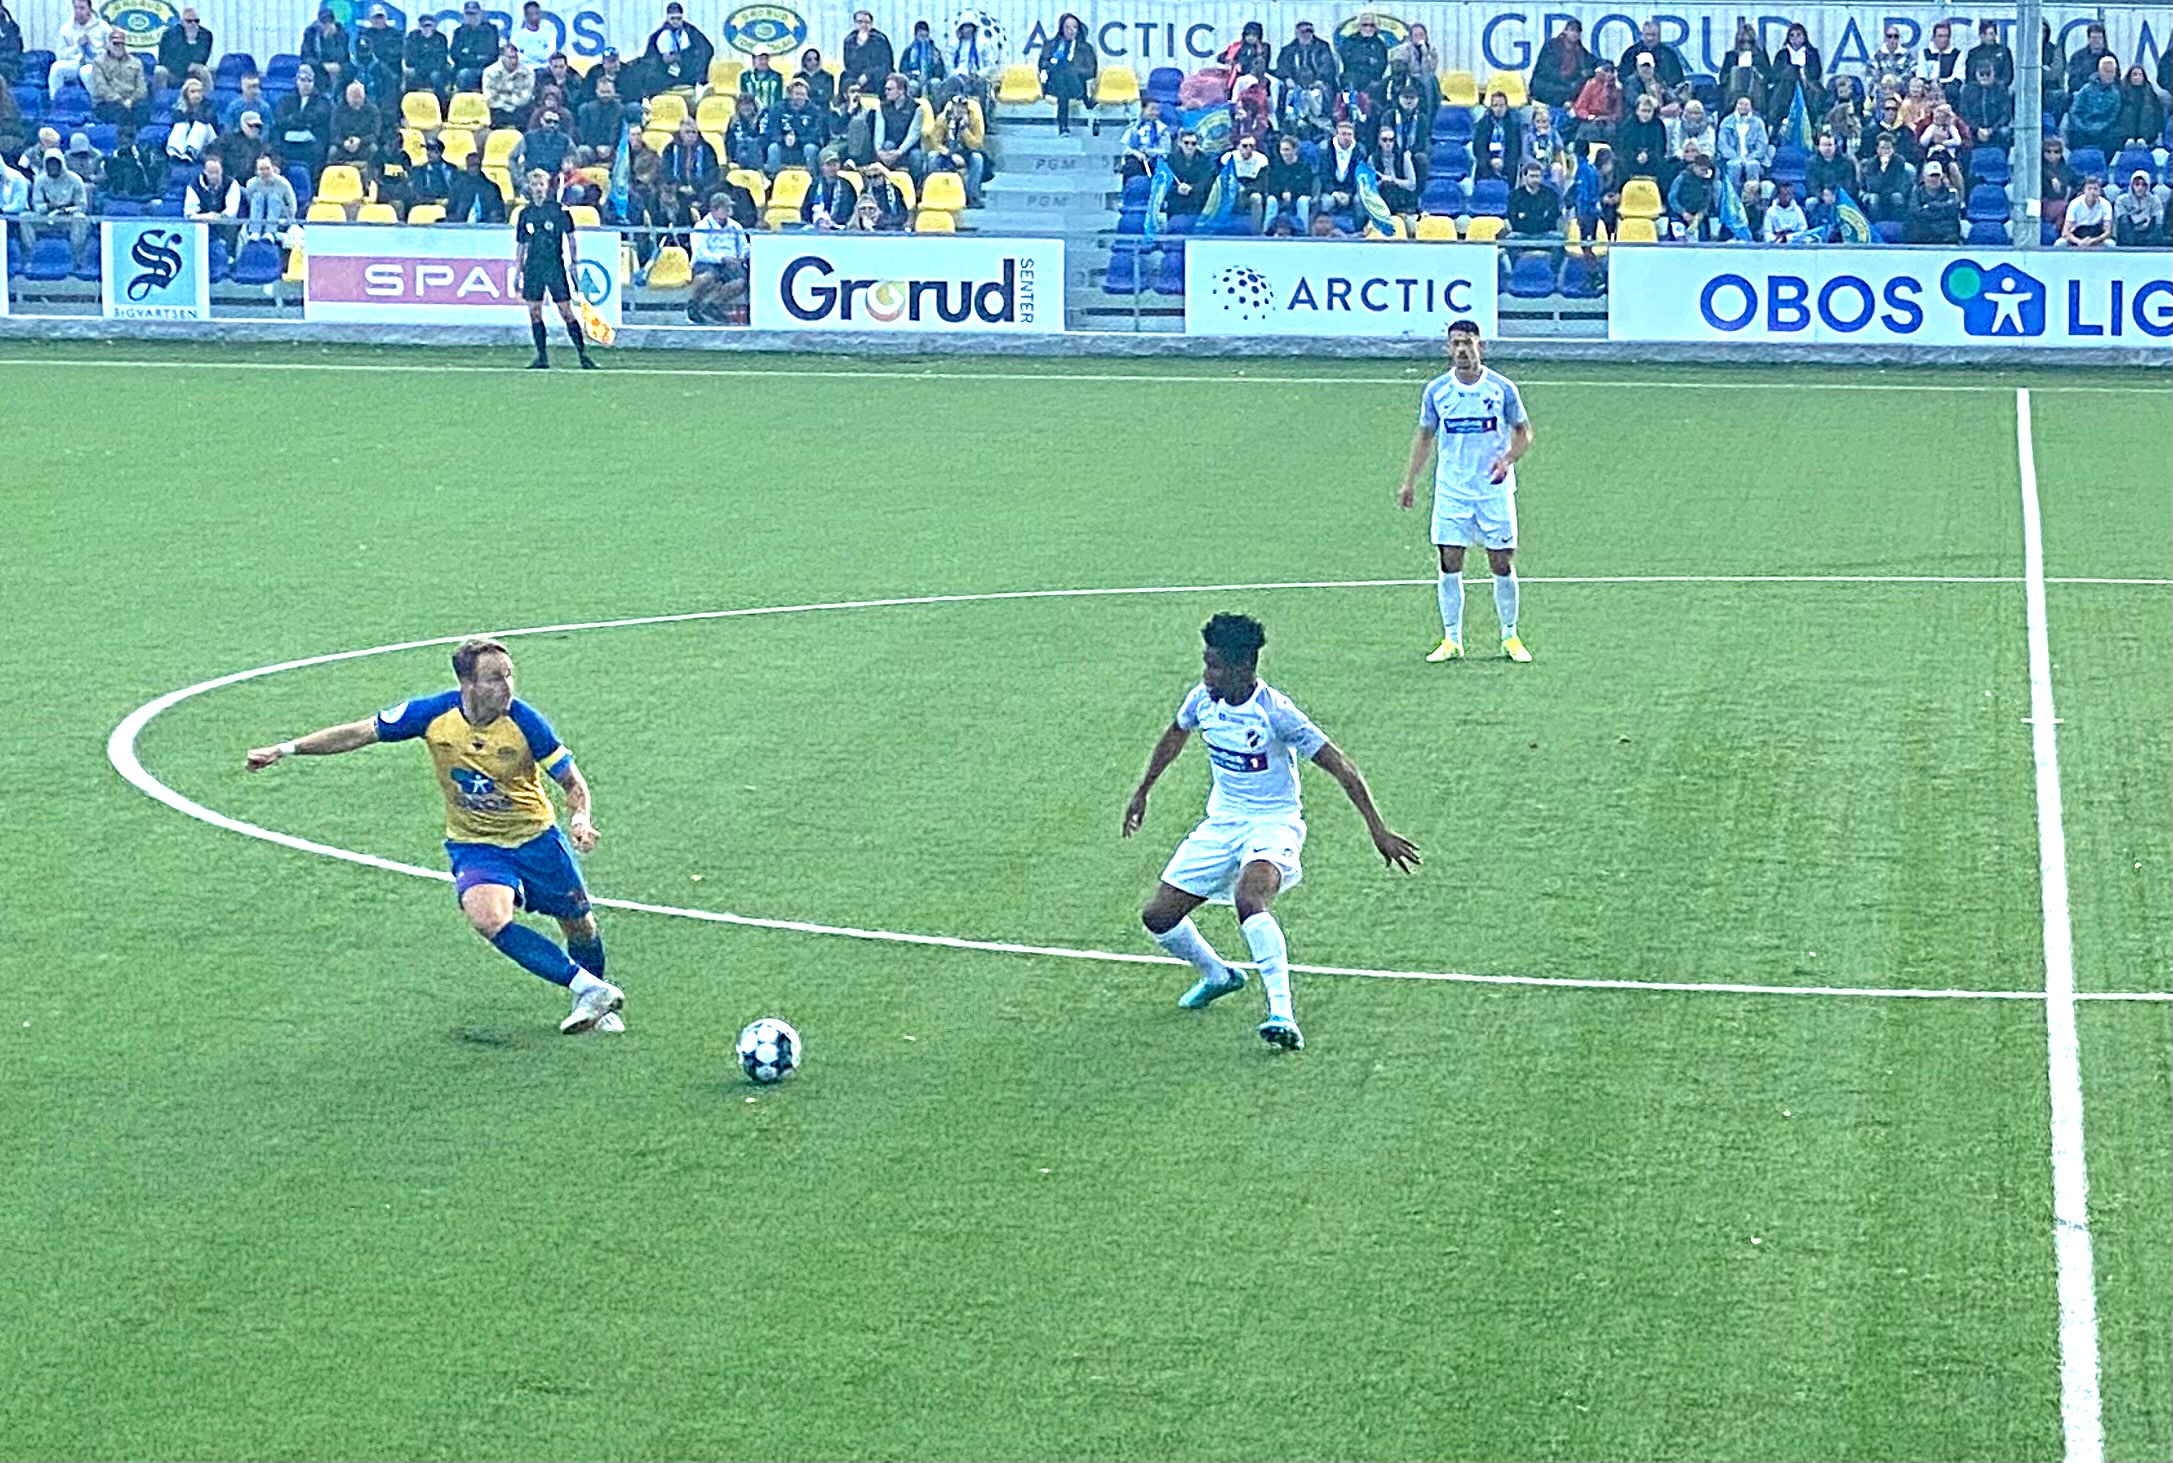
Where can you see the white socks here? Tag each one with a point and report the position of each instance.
(1265, 938)
(1451, 590)
(1505, 602)
(1184, 940)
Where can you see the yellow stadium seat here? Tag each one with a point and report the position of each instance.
(1636, 231)
(1436, 226)
(670, 270)
(376, 213)
(934, 221)
(904, 180)
(426, 213)
(713, 113)
(1395, 229)
(582, 65)
(1510, 85)
(342, 184)
(411, 143)
(834, 66)
(503, 177)
(656, 137)
(458, 144)
(1020, 85)
(1641, 199)
(586, 217)
(419, 109)
(1483, 229)
(468, 110)
(666, 111)
(1459, 88)
(789, 187)
(780, 218)
(1116, 86)
(297, 270)
(757, 186)
(321, 212)
(498, 147)
(599, 175)
(724, 75)
(943, 190)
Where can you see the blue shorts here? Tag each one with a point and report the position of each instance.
(541, 873)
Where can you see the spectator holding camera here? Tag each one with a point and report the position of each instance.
(959, 145)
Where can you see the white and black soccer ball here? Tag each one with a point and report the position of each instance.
(769, 1051)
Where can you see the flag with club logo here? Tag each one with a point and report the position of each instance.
(1222, 194)
(1796, 132)
(1157, 199)
(1369, 199)
(622, 172)
(1732, 216)
(1849, 219)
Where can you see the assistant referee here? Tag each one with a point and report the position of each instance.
(544, 266)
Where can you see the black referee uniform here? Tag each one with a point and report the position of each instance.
(540, 234)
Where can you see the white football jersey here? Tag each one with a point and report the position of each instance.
(1473, 424)
(1253, 748)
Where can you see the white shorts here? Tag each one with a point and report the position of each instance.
(1208, 862)
(1490, 524)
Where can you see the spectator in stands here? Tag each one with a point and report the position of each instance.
(2138, 216)
(828, 203)
(195, 124)
(1887, 123)
(2165, 72)
(1414, 127)
(2086, 63)
(184, 49)
(2089, 220)
(531, 39)
(821, 89)
(852, 126)
(82, 40)
(879, 189)
(1340, 161)
(86, 163)
(1238, 57)
(923, 64)
(641, 208)
(1988, 108)
(866, 217)
(1845, 96)
(1645, 83)
(625, 80)
(1596, 195)
(1497, 143)
(1249, 166)
(720, 264)
(377, 52)
(1308, 64)
(764, 82)
(426, 59)
(898, 126)
(1743, 71)
(303, 123)
(558, 72)
(1935, 210)
(747, 136)
(1990, 50)
(1598, 108)
(976, 63)
(476, 199)
(14, 189)
(1551, 150)
(58, 197)
(2053, 83)
(677, 56)
(2142, 115)
(267, 202)
(1797, 69)
(1363, 56)
(867, 53)
(11, 62)
(598, 122)
(1396, 174)
(118, 90)
(324, 46)
(1068, 65)
(1892, 61)
(1692, 131)
(1535, 210)
(1146, 142)
(1829, 167)
(2057, 182)
(1784, 216)
(1887, 177)
(137, 169)
(1692, 198)
(797, 131)
(1745, 149)
(545, 145)
(509, 89)
(1941, 63)
(1667, 62)
(1355, 105)
(574, 187)
(474, 47)
(431, 180)
(690, 173)
(2093, 113)
(1193, 172)
(212, 195)
(250, 98)
(12, 131)
(1917, 106)
(1290, 188)
(32, 162)
(1944, 142)
(1641, 145)
(1562, 66)
(1415, 62)
(960, 144)
(356, 127)
(240, 148)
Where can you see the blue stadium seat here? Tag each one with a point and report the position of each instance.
(281, 71)
(1790, 164)
(1987, 201)
(1489, 198)
(1443, 195)
(163, 208)
(104, 136)
(1532, 277)
(1989, 165)
(71, 108)
(1886, 232)
(258, 262)
(1449, 160)
(216, 267)
(298, 175)
(2131, 159)
(1171, 280)
(1452, 124)
(1132, 220)
(15, 254)
(120, 207)
(30, 101)
(92, 266)
(154, 134)
(1135, 192)
(1181, 223)
(50, 259)
(1984, 233)
(1162, 84)
(1579, 280)
(1123, 276)
(2047, 235)
(2087, 160)
(234, 65)
(37, 63)
(1237, 224)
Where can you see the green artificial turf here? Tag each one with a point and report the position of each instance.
(298, 1167)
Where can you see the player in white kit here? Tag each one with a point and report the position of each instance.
(1472, 422)
(1246, 852)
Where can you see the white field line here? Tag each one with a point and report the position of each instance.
(1144, 378)
(2079, 1405)
(121, 751)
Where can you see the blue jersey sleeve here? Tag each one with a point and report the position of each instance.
(412, 718)
(543, 743)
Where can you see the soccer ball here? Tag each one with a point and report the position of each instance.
(769, 1051)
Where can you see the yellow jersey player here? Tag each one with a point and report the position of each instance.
(501, 833)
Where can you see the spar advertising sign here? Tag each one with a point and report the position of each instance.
(899, 282)
(444, 274)
(1313, 287)
(1931, 297)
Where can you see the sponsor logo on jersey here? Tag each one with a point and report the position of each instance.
(1464, 426)
(1231, 760)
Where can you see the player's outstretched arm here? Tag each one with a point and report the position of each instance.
(1396, 851)
(1422, 447)
(346, 737)
(580, 825)
(1158, 761)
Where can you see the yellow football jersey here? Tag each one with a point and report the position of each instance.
(491, 775)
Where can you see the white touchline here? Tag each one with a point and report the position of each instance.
(2079, 1408)
(121, 752)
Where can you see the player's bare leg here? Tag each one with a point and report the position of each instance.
(1168, 917)
(1450, 591)
(1257, 885)
(1502, 562)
